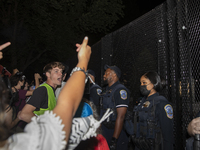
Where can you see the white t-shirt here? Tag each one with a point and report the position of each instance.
(58, 89)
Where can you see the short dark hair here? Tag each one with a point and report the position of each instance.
(52, 65)
(16, 78)
(155, 80)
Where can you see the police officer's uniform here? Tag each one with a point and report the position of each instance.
(114, 97)
(153, 124)
(95, 92)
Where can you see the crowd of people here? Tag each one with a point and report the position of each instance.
(59, 114)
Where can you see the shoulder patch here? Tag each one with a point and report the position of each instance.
(169, 111)
(99, 91)
(123, 94)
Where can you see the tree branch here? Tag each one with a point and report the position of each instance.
(33, 60)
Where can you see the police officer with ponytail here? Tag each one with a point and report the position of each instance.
(153, 116)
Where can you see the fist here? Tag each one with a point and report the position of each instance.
(37, 75)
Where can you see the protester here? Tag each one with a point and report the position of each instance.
(194, 126)
(19, 101)
(193, 130)
(43, 98)
(85, 109)
(59, 87)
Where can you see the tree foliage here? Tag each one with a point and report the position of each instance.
(42, 31)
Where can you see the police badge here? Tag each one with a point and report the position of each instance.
(123, 94)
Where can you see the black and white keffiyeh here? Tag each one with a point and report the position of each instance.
(84, 128)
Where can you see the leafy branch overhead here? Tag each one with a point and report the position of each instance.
(46, 30)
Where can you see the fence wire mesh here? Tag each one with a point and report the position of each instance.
(166, 40)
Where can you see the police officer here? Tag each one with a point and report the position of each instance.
(116, 96)
(153, 118)
(95, 90)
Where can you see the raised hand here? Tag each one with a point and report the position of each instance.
(72, 93)
(2, 47)
(15, 71)
(84, 51)
(37, 76)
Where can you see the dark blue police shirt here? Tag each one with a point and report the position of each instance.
(121, 95)
(95, 91)
(164, 113)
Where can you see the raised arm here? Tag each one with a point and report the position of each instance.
(37, 78)
(71, 94)
(2, 47)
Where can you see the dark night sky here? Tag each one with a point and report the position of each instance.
(136, 8)
(133, 10)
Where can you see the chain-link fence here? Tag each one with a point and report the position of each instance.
(165, 40)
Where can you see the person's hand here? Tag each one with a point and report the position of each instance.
(194, 126)
(2, 47)
(113, 144)
(84, 51)
(37, 76)
(15, 71)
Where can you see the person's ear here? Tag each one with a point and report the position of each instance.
(114, 74)
(48, 74)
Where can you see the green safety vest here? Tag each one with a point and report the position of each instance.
(51, 100)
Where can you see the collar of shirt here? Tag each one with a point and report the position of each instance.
(112, 86)
(151, 97)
